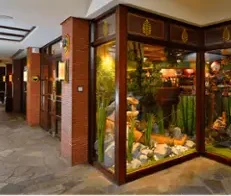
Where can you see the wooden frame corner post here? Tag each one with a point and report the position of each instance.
(121, 94)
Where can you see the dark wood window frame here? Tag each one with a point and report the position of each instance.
(122, 36)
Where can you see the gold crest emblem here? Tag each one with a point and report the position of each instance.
(147, 28)
(184, 36)
(226, 34)
(66, 43)
(105, 28)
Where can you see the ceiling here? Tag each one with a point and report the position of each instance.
(46, 16)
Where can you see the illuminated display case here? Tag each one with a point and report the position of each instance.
(154, 91)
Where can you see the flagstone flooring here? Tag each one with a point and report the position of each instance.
(30, 163)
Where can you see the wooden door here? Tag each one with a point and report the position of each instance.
(51, 90)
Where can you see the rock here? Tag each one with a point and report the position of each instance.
(162, 150)
(226, 144)
(149, 153)
(155, 129)
(136, 150)
(152, 143)
(111, 110)
(156, 157)
(109, 138)
(177, 133)
(175, 151)
(142, 147)
(129, 165)
(143, 158)
(228, 131)
(136, 146)
(135, 163)
(190, 144)
(109, 155)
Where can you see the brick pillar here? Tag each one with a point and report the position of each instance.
(74, 133)
(33, 89)
(17, 85)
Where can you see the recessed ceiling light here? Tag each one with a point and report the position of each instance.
(5, 17)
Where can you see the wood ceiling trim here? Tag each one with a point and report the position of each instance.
(14, 28)
(11, 34)
(12, 40)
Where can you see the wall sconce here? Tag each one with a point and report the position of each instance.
(4, 78)
(10, 78)
(61, 74)
(63, 71)
(25, 76)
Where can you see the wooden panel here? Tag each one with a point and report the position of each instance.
(121, 95)
(147, 27)
(180, 34)
(105, 27)
(218, 35)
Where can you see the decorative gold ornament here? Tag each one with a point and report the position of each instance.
(147, 28)
(105, 28)
(184, 36)
(66, 43)
(226, 34)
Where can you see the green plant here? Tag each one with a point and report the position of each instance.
(105, 88)
(132, 121)
(148, 131)
(101, 123)
(145, 77)
(186, 117)
(160, 118)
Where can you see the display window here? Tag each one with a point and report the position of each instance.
(159, 93)
(161, 104)
(218, 102)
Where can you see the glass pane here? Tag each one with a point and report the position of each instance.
(43, 103)
(56, 49)
(58, 108)
(160, 104)
(105, 98)
(44, 87)
(218, 102)
(58, 87)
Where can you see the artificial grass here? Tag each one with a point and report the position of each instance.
(221, 151)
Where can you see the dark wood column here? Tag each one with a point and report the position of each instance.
(17, 85)
(9, 99)
(200, 102)
(121, 94)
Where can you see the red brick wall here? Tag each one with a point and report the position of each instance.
(74, 133)
(33, 89)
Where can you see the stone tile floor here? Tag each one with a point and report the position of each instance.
(30, 163)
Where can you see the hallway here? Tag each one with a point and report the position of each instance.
(31, 164)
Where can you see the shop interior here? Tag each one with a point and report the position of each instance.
(161, 104)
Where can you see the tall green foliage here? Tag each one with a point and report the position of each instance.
(132, 121)
(148, 132)
(186, 114)
(139, 83)
(101, 123)
(160, 117)
(105, 87)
